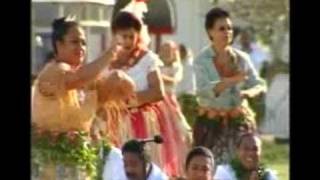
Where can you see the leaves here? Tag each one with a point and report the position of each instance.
(61, 149)
(242, 173)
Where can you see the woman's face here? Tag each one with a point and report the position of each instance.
(199, 168)
(72, 49)
(222, 31)
(128, 38)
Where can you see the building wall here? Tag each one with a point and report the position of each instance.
(190, 23)
(43, 15)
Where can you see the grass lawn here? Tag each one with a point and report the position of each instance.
(276, 155)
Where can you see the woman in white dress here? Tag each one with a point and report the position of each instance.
(145, 114)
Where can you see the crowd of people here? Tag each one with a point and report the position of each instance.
(99, 117)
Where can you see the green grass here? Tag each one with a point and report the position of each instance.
(276, 156)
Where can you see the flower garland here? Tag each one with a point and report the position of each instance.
(72, 148)
(235, 122)
(242, 174)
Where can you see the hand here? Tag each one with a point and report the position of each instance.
(112, 53)
(47, 89)
(244, 94)
(236, 79)
(220, 87)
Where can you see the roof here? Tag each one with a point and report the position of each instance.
(160, 18)
(104, 2)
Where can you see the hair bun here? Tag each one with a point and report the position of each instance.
(57, 23)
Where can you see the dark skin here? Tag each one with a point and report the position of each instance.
(249, 153)
(133, 166)
(222, 32)
(71, 50)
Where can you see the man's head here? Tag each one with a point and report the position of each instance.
(246, 37)
(134, 159)
(249, 150)
(200, 164)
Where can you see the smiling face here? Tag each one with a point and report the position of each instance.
(222, 31)
(72, 49)
(249, 152)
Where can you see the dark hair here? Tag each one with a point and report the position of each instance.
(136, 147)
(213, 15)
(60, 28)
(199, 151)
(125, 20)
(245, 135)
(183, 49)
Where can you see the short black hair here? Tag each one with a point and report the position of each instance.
(125, 20)
(60, 28)
(213, 15)
(199, 151)
(136, 147)
(245, 135)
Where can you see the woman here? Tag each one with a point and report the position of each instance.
(225, 78)
(62, 109)
(247, 163)
(146, 112)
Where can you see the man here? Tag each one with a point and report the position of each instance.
(137, 164)
(200, 164)
(257, 54)
(247, 164)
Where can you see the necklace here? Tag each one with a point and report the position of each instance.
(243, 174)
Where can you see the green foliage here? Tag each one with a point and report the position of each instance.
(258, 106)
(277, 157)
(189, 106)
(69, 149)
(242, 173)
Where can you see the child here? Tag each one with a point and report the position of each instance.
(171, 75)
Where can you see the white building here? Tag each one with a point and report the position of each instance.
(93, 15)
(190, 28)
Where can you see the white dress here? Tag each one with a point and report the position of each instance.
(113, 167)
(174, 71)
(188, 83)
(139, 72)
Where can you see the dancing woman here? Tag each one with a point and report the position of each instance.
(62, 109)
(225, 78)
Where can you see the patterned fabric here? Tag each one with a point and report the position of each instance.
(221, 138)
